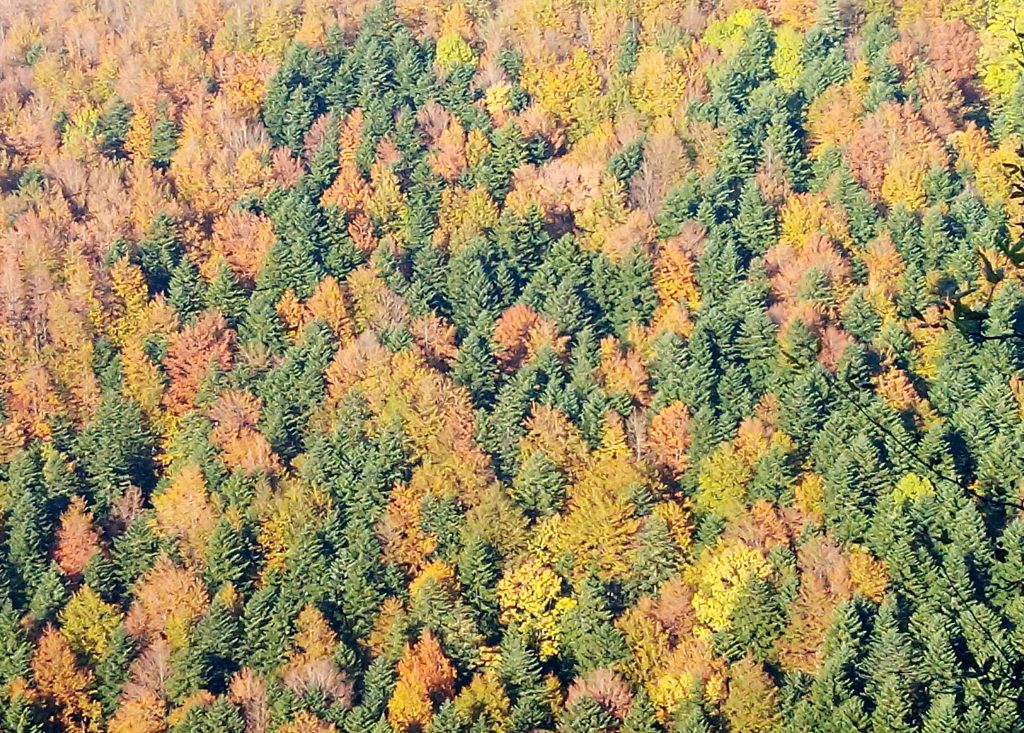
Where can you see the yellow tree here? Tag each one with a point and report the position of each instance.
(183, 512)
(88, 621)
(425, 679)
(63, 688)
(531, 602)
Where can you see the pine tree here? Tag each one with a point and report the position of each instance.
(590, 640)
(185, 290)
(135, 551)
(15, 647)
(115, 449)
(520, 671)
(539, 487)
(49, 594)
(478, 574)
(164, 140)
(27, 522)
(475, 366)
(641, 717)
(113, 668)
(229, 557)
(225, 295)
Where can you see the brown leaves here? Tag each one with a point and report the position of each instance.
(604, 687)
(668, 439)
(425, 677)
(77, 539)
(242, 239)
(205, 345)
(167, 601)
(64, 688)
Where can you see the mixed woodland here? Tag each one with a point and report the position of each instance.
(458, 366)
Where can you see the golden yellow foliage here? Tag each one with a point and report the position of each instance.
(88, 621)
(531, 601)
(868, 574)
(719, 577)
(912, 487)
(657, 85)
(183, 511)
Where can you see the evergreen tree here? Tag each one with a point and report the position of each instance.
(185, 290)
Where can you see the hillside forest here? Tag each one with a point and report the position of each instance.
(510, 366)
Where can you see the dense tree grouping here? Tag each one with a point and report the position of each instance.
(533, 365)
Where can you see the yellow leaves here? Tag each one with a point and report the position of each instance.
(88, 621)
(484, 697)
(549, 430)
(408, 709)
(727, 34)
(425, 678)
(386, 205)
(453, 51)
(570, 90)
(993, 180)
(145, 713)
(183, 511)
(599, 527)
(140, 133)
(365, 285)
(436, 573)
(834, 116)
(210, 166)
(77, 539)
(477, 146)
(622, 370)
(464, 215)
(904, 184)
(497, 101)
(809, 496)
(677, 518)
(129, 286)
(531, 601)
(449, 159)
(807, 214)
(142, 379)
(720, 577)
(675, 276)
(999, 56)
(298, 507)
(330, 305)
(244, 82)
(598, 531)
(63, 686)
(647, 640)
(657, 85)
(669, 690)
(79, 137)
(293, 313)
(404, 540)
(276, 28)
(868, 575)
(786, 57)
(885, 270)
(912, 487)
(314, 638)
(305, 722)
(236, 416)
(669, 438)
(722, 482)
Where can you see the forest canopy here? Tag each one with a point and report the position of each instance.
(471, 366)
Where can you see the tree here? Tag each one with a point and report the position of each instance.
(425, 678)
(64, 689)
